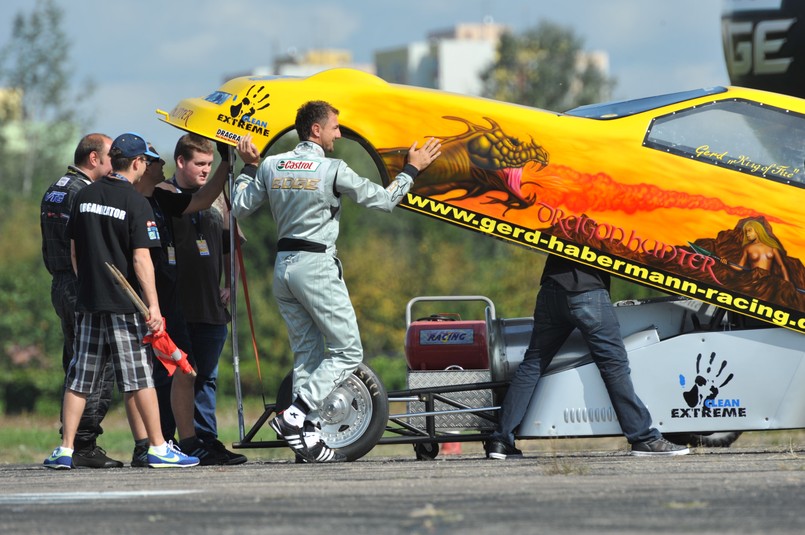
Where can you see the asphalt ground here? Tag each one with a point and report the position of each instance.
(723, 491)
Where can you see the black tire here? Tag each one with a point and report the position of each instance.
(707, 440)
(426, 451)
(355, 413)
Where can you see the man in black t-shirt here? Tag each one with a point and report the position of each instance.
(90, 162)
(113, 224)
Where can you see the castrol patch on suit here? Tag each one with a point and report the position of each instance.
(297, 165)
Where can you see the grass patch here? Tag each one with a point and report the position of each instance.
(566, 467)
(29, 438)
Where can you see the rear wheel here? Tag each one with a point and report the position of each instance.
(707, 440)
(354, 415)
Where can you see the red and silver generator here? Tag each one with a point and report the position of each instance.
(442, 349)
(446, 342)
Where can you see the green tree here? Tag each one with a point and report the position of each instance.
(35, 63)
(30, 333)
(545, 67)
(38, 129)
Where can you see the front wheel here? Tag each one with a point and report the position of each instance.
(354, 415)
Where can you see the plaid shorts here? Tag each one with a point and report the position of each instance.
(101, 336)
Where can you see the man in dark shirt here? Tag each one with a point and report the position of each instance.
(575, 296)
(176, 394)
(90, 162)
(202, 260)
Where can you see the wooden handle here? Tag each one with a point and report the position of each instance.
(130, 293)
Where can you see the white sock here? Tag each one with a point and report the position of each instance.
(160, 450)
(62, 449)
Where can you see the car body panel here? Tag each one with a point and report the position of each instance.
(693, 380)
(620, 191)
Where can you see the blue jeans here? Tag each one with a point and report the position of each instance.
(207, 341)
(556, 314)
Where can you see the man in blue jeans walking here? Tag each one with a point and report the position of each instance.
(575, 296)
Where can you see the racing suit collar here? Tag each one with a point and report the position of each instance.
(310, 147)
(81, 174)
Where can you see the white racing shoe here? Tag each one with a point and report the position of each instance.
(306, 443)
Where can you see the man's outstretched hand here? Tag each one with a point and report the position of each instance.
(421, 158)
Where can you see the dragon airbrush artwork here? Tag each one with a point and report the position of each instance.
(477, 162)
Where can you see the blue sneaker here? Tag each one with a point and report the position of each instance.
(59, 459)
(173, 458)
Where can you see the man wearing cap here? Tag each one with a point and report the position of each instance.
(113, 224)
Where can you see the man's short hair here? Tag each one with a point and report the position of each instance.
(309, 113)
(89, 144)
(190, 143)
(121, 163)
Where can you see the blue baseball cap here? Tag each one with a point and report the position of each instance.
(130, 145)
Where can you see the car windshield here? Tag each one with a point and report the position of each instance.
(746, 136)
(624, 108)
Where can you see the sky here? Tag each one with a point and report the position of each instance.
(146, 55)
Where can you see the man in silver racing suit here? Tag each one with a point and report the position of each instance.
(304, 190)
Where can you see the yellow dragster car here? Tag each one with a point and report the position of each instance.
(699, 193)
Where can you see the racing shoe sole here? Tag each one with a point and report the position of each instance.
(325, 454)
